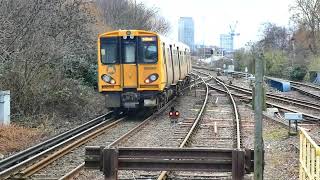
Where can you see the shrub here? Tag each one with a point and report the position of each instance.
(298, 73)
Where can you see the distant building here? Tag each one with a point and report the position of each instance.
(226, 42)
(186, 31)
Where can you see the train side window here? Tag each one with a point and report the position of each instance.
(164, 54)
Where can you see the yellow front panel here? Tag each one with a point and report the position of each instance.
(130, 76)
(115, 72)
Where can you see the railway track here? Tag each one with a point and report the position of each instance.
(35, 161)
(203, 132)
(74, 172)
(297, 86)
(19, 161)
(246, 95)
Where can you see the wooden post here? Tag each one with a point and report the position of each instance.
(238, 164)
(110, 163)
(258, 106)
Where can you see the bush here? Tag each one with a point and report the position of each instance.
(298, 73)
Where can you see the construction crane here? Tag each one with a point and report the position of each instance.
(232, 32)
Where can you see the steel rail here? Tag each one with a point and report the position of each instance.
(27, 153)
(305, 92)
(163, 174)
(299, 102)
(18, 161)
(79, 168)
(249, 98)
(279, 98)
(249, 91)
(234, 106)
(56, 151)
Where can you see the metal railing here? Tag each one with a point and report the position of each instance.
(309, 161)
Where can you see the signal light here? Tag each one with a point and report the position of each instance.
(173, 114)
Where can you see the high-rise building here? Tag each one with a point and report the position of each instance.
(226, 42)
(186, 31)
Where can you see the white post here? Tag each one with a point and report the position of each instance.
(5, 107)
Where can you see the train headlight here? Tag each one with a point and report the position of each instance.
(151, 78)
(108, 79)
(147, 81)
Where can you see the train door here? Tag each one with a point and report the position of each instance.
(129, 62)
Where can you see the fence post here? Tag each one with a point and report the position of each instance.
(258, 107)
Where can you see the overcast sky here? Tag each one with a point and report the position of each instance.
(213, 17)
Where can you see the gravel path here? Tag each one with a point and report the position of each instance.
(65, 164)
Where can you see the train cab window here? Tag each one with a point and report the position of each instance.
(148, 50)
(129, 51)
(109, 50)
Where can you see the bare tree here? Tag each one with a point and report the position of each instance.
(306, 13)
(275, 37)
(38, 41)
(124, 14)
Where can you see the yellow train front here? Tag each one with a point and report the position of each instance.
(140, 69)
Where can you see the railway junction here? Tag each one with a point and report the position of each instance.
(211, 139)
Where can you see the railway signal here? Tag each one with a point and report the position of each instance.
(173, 114)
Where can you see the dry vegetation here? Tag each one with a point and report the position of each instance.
(14, 138)
(48, 54)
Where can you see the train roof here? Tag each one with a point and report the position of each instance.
(163, 38)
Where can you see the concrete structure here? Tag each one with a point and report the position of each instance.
(5, 107)
(186, 31)
(226, 42)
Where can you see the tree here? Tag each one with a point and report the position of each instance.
(298, 73)
(123, 14)
(275, 37)
(306, 13)
(41, 42)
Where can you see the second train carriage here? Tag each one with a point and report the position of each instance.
(140, 69)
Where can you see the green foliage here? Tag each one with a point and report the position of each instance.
(315, 64)
(298, 73)
(276, 63)
(243, 59)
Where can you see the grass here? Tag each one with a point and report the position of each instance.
(14, 138)
(276, 134)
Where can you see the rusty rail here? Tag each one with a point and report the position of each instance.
(234, 105)
(163, 174)
(79, 168)
(110, 160)
(31, 155)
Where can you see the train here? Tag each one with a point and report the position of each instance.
(141, 69)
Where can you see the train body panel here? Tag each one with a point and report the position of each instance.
(139, 68)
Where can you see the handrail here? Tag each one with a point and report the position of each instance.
(309, 161)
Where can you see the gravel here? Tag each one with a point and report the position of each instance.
(70, 161)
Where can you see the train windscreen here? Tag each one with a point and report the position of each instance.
(148, 50)
(109, 50)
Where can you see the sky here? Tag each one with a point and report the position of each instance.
(213, 17)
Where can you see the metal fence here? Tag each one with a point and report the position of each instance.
(309, 161)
